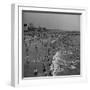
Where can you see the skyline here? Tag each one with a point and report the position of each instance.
(66, 22)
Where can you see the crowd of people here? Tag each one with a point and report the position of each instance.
(50, 53)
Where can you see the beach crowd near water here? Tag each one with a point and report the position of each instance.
(50, 52)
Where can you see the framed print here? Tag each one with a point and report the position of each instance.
(47, 43)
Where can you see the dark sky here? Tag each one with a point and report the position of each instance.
(53, 21)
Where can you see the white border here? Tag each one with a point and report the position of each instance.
(16, 77)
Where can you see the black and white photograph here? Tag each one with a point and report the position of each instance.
(50, 44)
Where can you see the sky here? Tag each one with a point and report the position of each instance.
(66, 22)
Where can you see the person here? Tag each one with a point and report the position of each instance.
(35, 72)
(44, 69)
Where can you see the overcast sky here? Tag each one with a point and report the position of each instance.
(53, 21)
